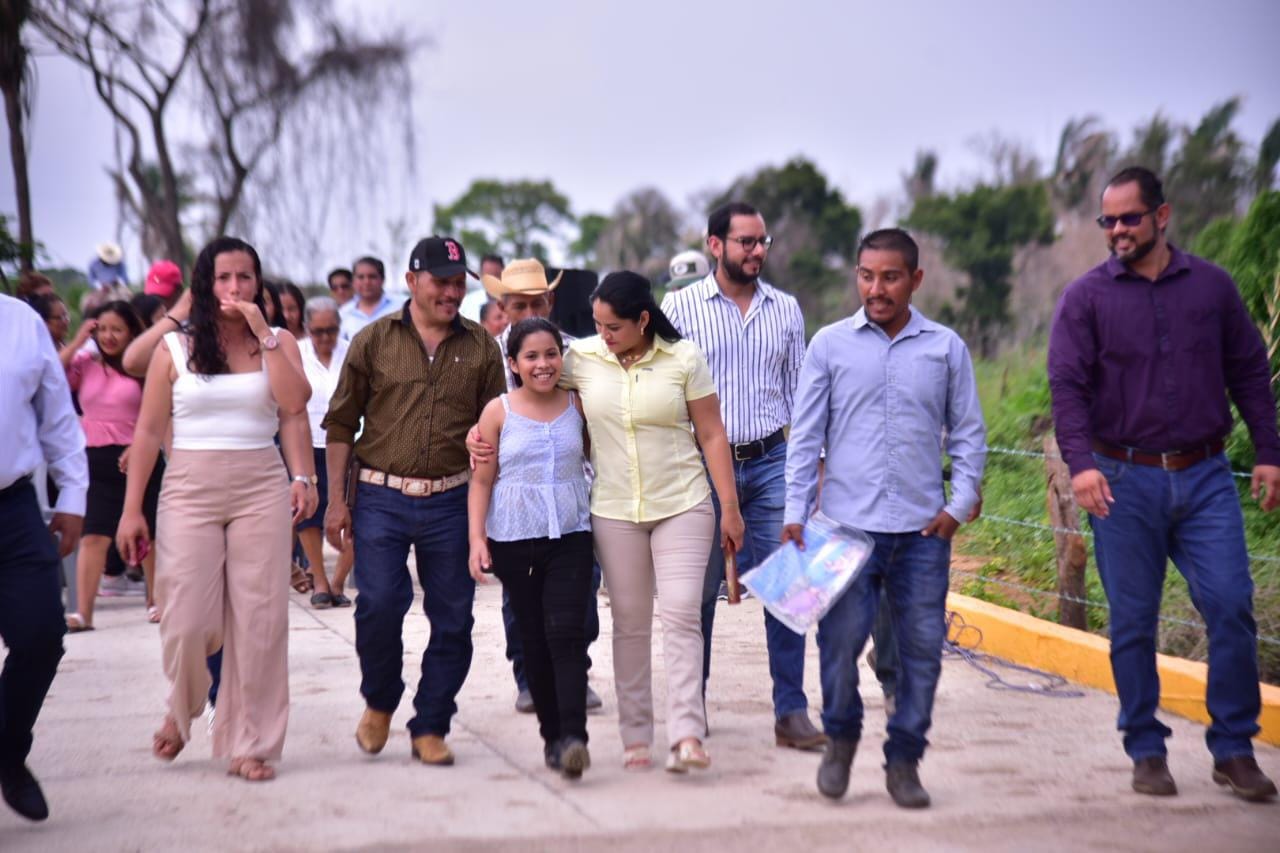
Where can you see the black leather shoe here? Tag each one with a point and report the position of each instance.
(795, 731)
(22, 792)
(1151, 776)
(903, 784)
(551, 755)
(833, 772)
(574, 758)
(524, 702)
(1242, 774)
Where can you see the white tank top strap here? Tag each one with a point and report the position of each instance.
(177, 351)
(506, 406)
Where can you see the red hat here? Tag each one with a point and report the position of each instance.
(163, 279)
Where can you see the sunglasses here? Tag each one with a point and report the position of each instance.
(1128, 220)
(324, 330)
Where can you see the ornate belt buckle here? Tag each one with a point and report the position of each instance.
(414, 487)
(1164, 460)
(377, 478)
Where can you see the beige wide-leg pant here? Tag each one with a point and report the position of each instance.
(222, 581)
(673, 553)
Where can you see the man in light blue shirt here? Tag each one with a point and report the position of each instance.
(879, 391)
(370, 302)
(39, 424)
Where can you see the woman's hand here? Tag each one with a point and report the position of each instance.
(480, 450)
(479, 561)
(181, 310)
(123, 463)
(732, 528)
(257, 323)
(132, 537)
(303, 500)
(86, 330)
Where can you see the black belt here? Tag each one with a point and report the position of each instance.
(748, 450)
(1169, 460)
(17, 484)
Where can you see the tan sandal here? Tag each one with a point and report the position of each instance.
(76, 624)
(636, 758)
(251, 769)
(167, 742)
(300, 579)
(688, 755)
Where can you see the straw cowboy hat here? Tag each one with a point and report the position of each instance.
(525, 276)
(109, 253)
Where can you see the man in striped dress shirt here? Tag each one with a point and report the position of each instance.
(753, 337)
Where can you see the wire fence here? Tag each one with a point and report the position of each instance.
(1049, 530)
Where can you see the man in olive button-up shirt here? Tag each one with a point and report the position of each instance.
(1144, 350)
(418, 380)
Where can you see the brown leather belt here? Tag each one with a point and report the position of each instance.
(1173, 460)
(414, 487)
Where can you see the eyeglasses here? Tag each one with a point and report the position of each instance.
(324, 330)
(346, 286)
(749, 244)
(1128, 220)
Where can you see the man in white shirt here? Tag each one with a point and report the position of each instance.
(370, 302)
(753, 337)
(476, 296)
(39, 424)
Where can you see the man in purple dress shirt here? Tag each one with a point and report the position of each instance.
(1144, 350)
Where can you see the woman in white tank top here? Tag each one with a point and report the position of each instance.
(227, 383)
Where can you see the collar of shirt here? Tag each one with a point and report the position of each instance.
(1178, 264)
(709, 289)
(601, 350)
(383, 307)
(916, 324)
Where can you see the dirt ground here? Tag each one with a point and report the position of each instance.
(1007, 770)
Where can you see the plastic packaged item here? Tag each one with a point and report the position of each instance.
(799, 587)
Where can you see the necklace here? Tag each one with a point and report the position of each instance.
(630, 359)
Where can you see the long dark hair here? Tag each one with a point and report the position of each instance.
(271, 298)
(525, 328)
(207, 357)
(296, 292)
(146, 304)
(629, 294)
(125, 312)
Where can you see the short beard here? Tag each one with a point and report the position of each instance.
(735, 274)
(1140, 251)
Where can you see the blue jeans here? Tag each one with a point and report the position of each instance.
(761, 485)
(31, 618)
(913, 569)
(515, 648)
(385, 523)
(1192, 516)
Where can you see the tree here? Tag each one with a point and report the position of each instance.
(1080, 165)
(815, 234)
(509, 217)
(1151, 143)
(919, 183)
(590, 227)
(1264, 174)
(1208, 173)
(642, 234)
(981, 230)
(277, 85)
(16, 80)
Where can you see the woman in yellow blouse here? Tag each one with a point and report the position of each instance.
(645, 392)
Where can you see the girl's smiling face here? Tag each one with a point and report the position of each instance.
(538, 362)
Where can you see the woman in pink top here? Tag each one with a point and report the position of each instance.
(110, 400)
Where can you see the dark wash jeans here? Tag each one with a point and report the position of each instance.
(913, 569)
(761, 485)
(1192, 517)
(31, 618)
(385, 523)
(548, 582)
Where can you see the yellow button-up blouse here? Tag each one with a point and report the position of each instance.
(646, 461)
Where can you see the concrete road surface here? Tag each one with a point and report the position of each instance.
(1007, 771)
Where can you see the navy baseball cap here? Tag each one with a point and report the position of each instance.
(441, 256)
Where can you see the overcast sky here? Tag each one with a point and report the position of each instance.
(602, 98)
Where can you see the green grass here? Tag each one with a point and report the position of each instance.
(1015, 400)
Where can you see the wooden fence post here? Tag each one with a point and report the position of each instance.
(1064, 515)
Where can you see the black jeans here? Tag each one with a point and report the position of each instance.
(548, 582)
(31, 618)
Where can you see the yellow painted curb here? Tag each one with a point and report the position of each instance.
(1085, 659)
